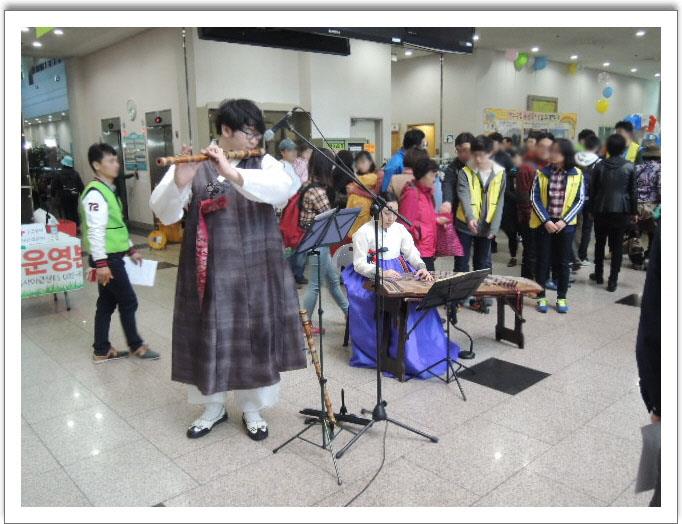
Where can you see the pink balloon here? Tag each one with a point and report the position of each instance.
(511, 54)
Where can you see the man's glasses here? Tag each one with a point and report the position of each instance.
(252, 135)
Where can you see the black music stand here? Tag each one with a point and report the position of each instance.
(328, 228)
(446, 293)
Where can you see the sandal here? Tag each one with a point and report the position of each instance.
(144, 353)
(112, 354)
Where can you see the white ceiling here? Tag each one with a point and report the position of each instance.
(593, 45)
(76, 41)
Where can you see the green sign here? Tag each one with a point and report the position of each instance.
(41, 31)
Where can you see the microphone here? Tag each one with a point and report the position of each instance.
(269, 135)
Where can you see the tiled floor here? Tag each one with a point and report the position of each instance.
(114, 435)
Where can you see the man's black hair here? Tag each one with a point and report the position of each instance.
(96, 153)
(238, 114)
(625, 125)
(585, 133)
(464, 138)
(496, 137)
(615, 145)
(413, 137)
(423, 167)
(482, 143)
(592, 143)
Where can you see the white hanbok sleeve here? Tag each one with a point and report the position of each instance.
(167, 200)
(360, 252)
(408, 250)
(269, 185)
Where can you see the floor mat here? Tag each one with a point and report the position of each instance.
(503, 376)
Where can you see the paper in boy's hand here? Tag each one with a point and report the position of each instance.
(142, 274)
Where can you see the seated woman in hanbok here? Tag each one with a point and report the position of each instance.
(427, 344)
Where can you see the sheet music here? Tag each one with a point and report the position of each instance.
(143, 274)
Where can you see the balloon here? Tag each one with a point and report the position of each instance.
(602, 105)
(607, 92)
(511, 54)
(521, 61)
(603, 78)
(652, 124)
(572, 69)
(540, 63)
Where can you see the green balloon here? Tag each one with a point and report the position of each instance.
(520, 61)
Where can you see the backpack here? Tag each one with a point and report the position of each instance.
(289, 224)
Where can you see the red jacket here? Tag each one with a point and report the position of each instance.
(419, 207)
(524, 183)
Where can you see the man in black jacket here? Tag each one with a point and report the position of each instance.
(613, 199)
(649, 344)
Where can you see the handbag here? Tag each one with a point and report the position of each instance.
(447, 240)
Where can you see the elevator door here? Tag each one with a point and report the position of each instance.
(111, 134)
(159, 142)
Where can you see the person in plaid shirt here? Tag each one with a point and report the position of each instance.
(318, 194)
(557, 196)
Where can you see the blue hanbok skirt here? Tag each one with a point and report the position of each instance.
(426, 345)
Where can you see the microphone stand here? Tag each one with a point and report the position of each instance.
(379, 413)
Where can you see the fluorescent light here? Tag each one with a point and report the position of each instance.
(633, 70)
(535, 49)
(606, 64)
(476, 37)
(58, 32)
(408, 52)
(395, 40)
(24, 29)
(37, 44)
(640, 33)
(574, 57)
(658, 75)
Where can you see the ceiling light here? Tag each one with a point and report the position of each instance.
(408, 52)
(58, 32)
(633, 70)
(476, 37)
(395, 40)
(37, 44)
(535, 49)
(658, 75)
(640, 33)
(574, 57)
(24, 29)
(606, 64)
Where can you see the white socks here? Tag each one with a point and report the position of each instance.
(253, 417)
(213, 411)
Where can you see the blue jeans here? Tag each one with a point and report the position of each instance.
(481, 255)
(328, 274)
(554, 250)
(297, 262)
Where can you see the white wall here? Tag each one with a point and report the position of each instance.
(333, 88)
(61, 131)
(146, 68)
(485, 79)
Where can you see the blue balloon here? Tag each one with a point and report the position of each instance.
(607, 92)
(540, 63)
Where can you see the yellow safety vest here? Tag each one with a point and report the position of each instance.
(633, 149)
(476, 190)
(573, 184)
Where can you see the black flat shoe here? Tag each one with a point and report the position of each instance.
(255, 433)
(596, 278)
(204, 427)
(612, 286)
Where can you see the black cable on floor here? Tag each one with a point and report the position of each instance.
(381, 466)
